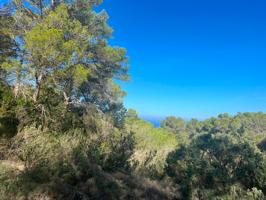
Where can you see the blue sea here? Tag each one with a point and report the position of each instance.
(154, 120)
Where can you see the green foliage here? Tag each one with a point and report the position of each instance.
(249, 125)
(216, 161)
(152, 145)
(131, 113)
(73, 165)
(178, 126)
(8, 45)
(237, 192)
(56, 47)
(174, 124)
(262, 145)
(64, 64)
(8, 120)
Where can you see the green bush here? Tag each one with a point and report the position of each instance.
(152, 146)
(216, 161)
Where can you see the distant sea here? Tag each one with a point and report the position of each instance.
(154, 120)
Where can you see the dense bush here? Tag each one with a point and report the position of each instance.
(74, 166)
(152, 146)
(215, 162)
(8, 119)
(249, 125)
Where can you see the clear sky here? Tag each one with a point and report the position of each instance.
(192, 58)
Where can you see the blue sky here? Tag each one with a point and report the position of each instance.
(192, 58)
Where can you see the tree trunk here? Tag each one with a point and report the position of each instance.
(38, 79)
(66, 98)
(18, 81)
(16, 89)
(53, 4)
